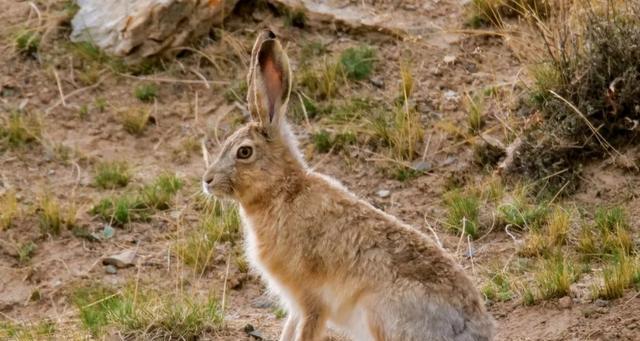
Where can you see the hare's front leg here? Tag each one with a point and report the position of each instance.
(313, 322)
(290, 327)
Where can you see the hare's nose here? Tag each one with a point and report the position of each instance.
(208, 180)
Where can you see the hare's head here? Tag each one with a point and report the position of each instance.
(258, 156)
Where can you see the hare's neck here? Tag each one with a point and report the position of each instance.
(290, 141)
(276, 198)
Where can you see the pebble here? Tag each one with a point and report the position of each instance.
(110, 269)
(121, 260)
(601, 303)
(378, 82)
(448, 161)
(451, 96)
(565, 302)
(421, 166)
(383, 193)
(253, 332)
(262, 303)
(449, 59)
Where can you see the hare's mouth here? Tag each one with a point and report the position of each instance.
(221, 190)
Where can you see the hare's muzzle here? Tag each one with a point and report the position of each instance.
(216, 184)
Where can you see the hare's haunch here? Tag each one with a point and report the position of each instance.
(333, 259)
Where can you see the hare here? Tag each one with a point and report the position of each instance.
(334, 260)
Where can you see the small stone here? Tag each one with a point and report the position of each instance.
(262, 303)
(565, 302)
(378, 82)
(470, 252)
(383, 193)
(449, 59)
(421, 166)
(601, 303)
(107, 231)
(256, 335)
(110, 269)
(448, 161)
(122, 260)
(451, 96)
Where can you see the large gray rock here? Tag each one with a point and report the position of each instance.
(135, 29)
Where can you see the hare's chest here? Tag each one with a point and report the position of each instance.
(255, 256)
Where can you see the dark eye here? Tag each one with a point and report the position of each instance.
(244, 152)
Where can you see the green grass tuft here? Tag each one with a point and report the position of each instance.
(146, 92)
(158, 194)
(111, 175)
(26, 251)
(358, 62)
(27, 42)
(463, 210)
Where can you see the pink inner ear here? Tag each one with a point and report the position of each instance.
(273, 82)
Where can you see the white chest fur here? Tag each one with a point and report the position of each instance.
(252, 245)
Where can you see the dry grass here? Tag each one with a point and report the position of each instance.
(618, 276)
(322, 82)
(9, 209)
(53, 217)
(495, 12)
(217, 225)
(146, 314)
(554, 277)
(584, 89)
(18, 129)
(134, 120)
(474, 108)
(44, 330)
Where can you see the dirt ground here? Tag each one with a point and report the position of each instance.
(447, 63)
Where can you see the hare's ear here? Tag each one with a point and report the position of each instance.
(269, 81)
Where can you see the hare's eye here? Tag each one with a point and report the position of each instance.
(244, 152)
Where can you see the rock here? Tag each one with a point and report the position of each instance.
(262, 303)
(137, 29)
(383, 193)
(107, 231)
(601, 303)
(469, 252)
(451, 96)
(448, 161)
(253, 332)
(565, 302)
(122, 260)
(378, 82)
(360, 16)
(256, 334)
(110, 269)
(448, 59)
(421, 166)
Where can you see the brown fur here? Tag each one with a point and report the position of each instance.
(330, 255)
